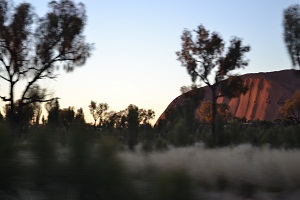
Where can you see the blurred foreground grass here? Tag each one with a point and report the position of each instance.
(78, 164)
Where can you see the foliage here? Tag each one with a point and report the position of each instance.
(146, 116)
(291, 23)
(204, 54)
(64, 117)
(205, 111)
(67, 116)
(126, 124)
(182, 118)
(79, 117)
(28, 115)
(132, 124)
(34, 47)
(98, 111)
(291, 108)
(53, 108)
(136, 118)
(115, 119)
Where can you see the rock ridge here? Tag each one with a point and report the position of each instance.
(267, 92)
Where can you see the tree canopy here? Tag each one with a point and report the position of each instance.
(291, 108)
(204, 56)
(205, 111)
(291, 23)
(98, 111)
(34, 47)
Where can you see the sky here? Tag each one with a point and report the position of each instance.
(134, 60)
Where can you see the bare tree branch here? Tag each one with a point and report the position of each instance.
(4, 98)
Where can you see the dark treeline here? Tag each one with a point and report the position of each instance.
(125, 124)
(183, 125)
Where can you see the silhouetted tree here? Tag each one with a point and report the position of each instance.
(133, 125)
(53, 109)
(145, 116)
(1, 117)
(93, 107)
(35, 48)
(205, 114)
(113, 119)
(79, 116)
(98, 111)
(185, 89)
(67, 116)
(180, 123)
(192, 98)
(291, 108)
(6, 110)
(204, 55)
(110, 119)
(291, 23)
(27, 115)
(102, 110)
(132, 118)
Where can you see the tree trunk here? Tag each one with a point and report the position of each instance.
(12, 115)
(214, 114)
(95, 125)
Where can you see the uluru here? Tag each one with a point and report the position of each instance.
(267, 92)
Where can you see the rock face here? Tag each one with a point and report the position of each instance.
(267, 92)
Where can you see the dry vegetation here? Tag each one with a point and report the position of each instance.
(242, 171)
(83, 165)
